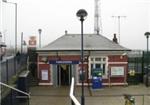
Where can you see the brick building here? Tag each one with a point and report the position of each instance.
(60, 60)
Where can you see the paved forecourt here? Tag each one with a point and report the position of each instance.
(49, 95)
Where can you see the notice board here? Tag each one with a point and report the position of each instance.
(117, 71)
(44, 74)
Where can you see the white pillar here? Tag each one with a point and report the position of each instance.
(1, 22)
(0, 39)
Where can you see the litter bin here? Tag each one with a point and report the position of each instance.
(97, 82)
(23, 84)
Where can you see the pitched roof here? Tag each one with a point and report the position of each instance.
(91, 42)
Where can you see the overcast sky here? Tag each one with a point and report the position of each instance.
(56, 16)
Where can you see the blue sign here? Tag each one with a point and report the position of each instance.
(63, 62)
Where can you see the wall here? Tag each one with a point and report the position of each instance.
(116, 77)
(114, 61)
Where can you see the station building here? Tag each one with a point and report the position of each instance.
(60, 60)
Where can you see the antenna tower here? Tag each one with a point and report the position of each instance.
(97, 18)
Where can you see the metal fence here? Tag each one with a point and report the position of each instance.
(138, 62)
(14, 96)
(10, 66)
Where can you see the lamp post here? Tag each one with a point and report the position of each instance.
(1, 25)
(40, 31)
(147, 34)
(15, 23)
(22, 42)
(82, 14)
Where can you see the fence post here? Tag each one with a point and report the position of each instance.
(15, 64)
(7, 71)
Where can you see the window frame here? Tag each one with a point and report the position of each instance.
(93, 61)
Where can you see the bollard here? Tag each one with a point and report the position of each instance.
(129, 100)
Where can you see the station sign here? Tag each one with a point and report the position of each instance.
(32, 41)
(63, 62)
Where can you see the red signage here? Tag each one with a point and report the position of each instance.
(32, 41)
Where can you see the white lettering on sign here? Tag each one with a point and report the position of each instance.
(64, 62)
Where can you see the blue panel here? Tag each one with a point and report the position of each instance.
(63, 62)
(97, 82)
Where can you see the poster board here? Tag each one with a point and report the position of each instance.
(44, 74)
(117, 71)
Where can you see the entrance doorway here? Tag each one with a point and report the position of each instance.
(64, 75)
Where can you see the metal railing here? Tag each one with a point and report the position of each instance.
(11, 66)
(26, 95)
(73, 98)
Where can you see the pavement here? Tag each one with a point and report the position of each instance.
(49, 95)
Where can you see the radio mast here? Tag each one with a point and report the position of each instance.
(119, 20)
(97, 18)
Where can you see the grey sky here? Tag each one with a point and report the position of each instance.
(56, 16)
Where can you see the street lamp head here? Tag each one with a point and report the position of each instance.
(40, 30)
(5, 1)
(82, 14)
(147, 34)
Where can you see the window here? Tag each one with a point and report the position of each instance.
(97, 65)
(104, 67)
(104, 59)
(98, 62)
(92, 66)
(91, 59)
(97, 59)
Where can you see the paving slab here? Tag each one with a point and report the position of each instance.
(49, 95)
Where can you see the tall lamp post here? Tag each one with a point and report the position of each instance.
(82, 14)
(0, 42)
(40, 31)
(22, 42)
(15, 23)
(147, 34)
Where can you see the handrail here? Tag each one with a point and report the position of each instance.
(25, 93)
(71, 93)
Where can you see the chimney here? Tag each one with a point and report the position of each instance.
(115, 39)
(66, 32)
